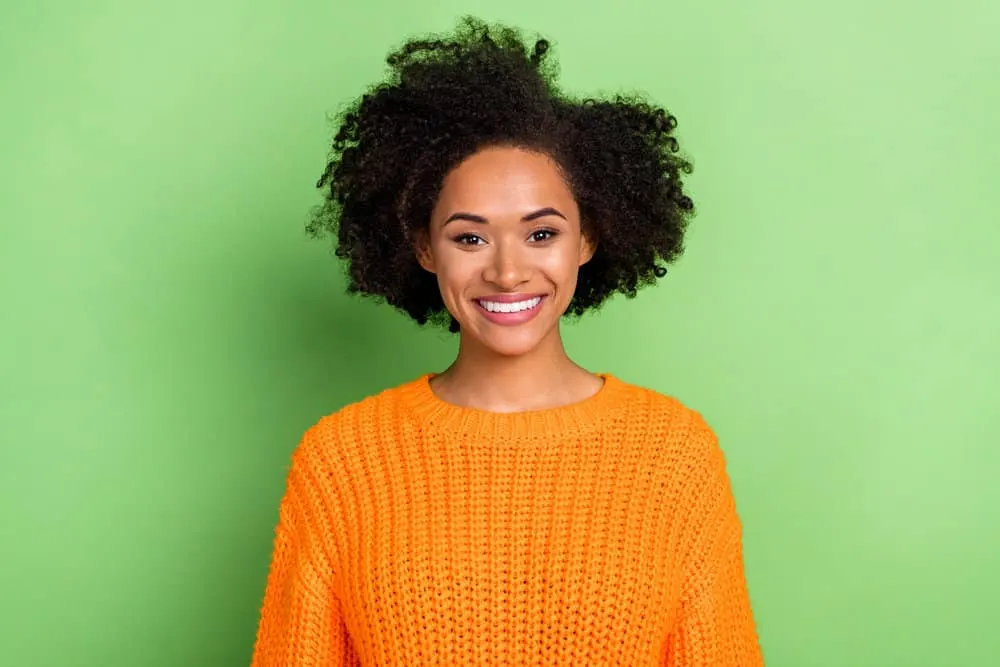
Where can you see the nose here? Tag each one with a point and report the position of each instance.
(506, 269)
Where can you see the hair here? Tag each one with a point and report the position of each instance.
(446, 98)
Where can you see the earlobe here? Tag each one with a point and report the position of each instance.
(421, 248)
(587, 249)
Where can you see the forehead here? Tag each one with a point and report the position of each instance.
(505, 180)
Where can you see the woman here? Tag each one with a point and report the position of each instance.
(514, 509)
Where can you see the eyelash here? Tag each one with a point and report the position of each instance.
(462, 239)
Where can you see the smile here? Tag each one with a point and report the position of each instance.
(516, 307)
(509, 312)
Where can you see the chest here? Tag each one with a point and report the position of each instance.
(526, 549)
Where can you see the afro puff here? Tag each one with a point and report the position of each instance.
(448, 97)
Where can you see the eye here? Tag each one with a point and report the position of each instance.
(541, 235)
(468, 239)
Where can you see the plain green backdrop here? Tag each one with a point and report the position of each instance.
(169, 331)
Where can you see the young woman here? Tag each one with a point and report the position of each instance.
(515, 508)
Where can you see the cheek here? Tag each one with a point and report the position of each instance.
(456, 269)
(562, 263)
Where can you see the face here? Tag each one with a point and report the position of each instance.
(505, 242)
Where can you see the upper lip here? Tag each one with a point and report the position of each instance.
(508, 298)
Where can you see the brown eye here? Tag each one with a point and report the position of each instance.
(468, 239)
(543, 235)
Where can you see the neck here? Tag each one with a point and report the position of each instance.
(542, 378)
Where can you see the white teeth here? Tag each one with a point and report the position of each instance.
(516, 307)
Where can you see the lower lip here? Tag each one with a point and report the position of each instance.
(511, 319)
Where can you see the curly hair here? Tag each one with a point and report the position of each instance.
(448, 97)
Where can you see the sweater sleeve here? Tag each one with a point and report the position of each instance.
(300, 623)
(716, 627)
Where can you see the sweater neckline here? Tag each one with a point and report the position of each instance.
(434, 413)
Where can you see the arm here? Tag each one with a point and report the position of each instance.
(716, 625)
(300, 620)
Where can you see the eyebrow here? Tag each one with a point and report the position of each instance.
(540, 213)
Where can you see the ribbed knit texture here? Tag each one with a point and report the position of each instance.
(415, 532)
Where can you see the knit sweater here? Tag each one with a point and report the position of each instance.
(416, 532)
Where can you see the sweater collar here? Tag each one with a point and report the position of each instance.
(433, 413)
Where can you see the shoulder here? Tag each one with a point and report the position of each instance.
(682, 440)
(346, 431)
(666, 408)
(673, 423)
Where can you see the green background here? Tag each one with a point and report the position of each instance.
(169, 331)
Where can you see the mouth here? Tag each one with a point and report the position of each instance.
(510, 313)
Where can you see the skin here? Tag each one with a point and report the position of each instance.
(506, 222)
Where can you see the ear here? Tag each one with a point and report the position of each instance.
(588, 246)
(422, 249)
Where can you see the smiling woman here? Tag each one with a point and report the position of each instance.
(513, 508)
(507, 272)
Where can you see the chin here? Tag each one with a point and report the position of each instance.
(511, 341)
(510, 348)
(508, 340)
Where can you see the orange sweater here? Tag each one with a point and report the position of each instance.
(415, 532)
